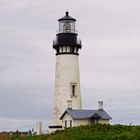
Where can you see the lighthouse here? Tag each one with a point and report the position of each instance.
(67, 78)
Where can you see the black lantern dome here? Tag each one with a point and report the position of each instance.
(66, 41)
(67, 17)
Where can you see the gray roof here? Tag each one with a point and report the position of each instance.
(86, 114)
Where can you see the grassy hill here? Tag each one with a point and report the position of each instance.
(96, 132)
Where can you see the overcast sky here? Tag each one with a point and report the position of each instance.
(109, 59)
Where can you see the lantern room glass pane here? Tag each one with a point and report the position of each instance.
(67, 26)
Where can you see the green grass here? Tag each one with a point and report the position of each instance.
(26, 137)
(96, 132)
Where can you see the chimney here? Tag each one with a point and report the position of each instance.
(69, 104)
(100, 105)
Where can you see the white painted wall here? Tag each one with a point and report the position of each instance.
(66, 74)
(75, 123)
(103, 121)
(80, 122)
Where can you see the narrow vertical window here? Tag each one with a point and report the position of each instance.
(57, 50)
(64, 49)
(70, 123)
(73, 90)
(75, 50)
(68, 49)
(60, 49)
(65, 123)
(71, 49)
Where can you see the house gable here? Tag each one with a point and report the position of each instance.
(67, 120)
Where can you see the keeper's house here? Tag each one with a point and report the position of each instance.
(75, 117)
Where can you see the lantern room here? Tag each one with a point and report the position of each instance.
(66, 41)
(67, 24)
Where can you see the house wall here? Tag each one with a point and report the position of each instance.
(75, 123)
(80, 122)
(103, 121)
(87, 122)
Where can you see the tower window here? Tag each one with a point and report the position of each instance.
(57, 50)
(67, 26)
(75, 50)
(71, 49)
(61, 49)
(64, 49)
(73, 89)
(68, 49)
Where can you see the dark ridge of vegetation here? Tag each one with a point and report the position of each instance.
(98, 132)
(4, 136)
(95, 132)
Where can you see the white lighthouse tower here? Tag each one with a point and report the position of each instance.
(67, 79)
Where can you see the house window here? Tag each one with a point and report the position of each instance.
(70, 123)
(65, 123)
